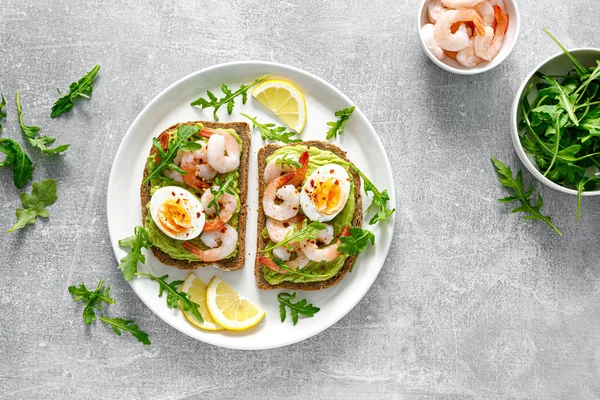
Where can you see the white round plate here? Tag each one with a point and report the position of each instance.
(359, 140)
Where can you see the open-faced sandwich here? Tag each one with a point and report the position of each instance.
(309, 197)
(194, 194)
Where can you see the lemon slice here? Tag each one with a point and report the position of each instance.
(285, 101)
(229, 309)
(197, 291)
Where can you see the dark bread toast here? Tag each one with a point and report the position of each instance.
(357, 220)
(243, 131)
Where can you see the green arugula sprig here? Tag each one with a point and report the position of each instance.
(82, 88)
(91, 299)
(227, 99)
(380, 199)
(521, 195)
(286, 161)
(357, 242)
(298, 308)
(127, 325)
(174, 296)
(180, 141)
(297, 271)
(2, 112)
(337, 127)
(223, 188)
(272, 132)
(17, 160)
(30, 133)
(137, 242)
(43, 194)
(305, 232)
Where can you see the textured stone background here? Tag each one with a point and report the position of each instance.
(473, 302)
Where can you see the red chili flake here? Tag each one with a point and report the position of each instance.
(178, 200)
(173, 193)
(294, 208)
(187, 234)
(223, 230)
(331, 171)
(337, 182)
(198, 215)
(312, 183)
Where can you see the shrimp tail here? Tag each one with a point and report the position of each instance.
(214, 225)
(267, 262)
(198, 252)
(501, 22)
(300, 173)
(345, 231)
(208, 132)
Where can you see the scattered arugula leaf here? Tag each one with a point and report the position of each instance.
(305, 232)
(272, 132)
(127, 325)
(2, 112)
(16, 159)
(357, 242)
(91, 299)
(176, 143)
(337, 127)
(223, 188)
(174, 296)
(82, 88)
(379, 202)
(521, 195)
(30, 133)
(300, 307)
(285, 161)
(42, 195)
(228, 99)
(137, 242)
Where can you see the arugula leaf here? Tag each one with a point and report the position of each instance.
(82, 88)
(2, 112)
(566, 100)
(91, 299)
(379, 202)
(337, 127)
(174, 296)
(285, 161)
(30, 133)
(578, 67)
(223, 188)
(357, 242)
(137, 242)
(227, 99)
(176, 143)
(296, 234)
(533, 211)
(271, 132)
(298, 308)
(120, 324)
(42, 195)
(16, 159)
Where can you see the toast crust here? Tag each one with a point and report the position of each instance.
(232, 264)
(357, 220)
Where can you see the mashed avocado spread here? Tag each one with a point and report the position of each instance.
(173, 247)
(316, 271)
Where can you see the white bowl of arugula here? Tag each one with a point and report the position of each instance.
(562, 94)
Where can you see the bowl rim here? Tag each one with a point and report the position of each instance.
(472, 71)
(514, 131)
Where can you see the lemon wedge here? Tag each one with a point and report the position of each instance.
(230, 310)
(196, 288)
(285, 101)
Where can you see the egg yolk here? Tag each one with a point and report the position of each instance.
(326, 195)
(174, 217)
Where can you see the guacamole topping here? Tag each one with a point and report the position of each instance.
(173, 247)
(316, 271)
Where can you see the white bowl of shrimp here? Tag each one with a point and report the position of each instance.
(468, 37)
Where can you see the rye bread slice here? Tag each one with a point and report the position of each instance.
(243, 131)
(357, 220)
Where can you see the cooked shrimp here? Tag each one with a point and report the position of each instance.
(460, 39)
(176, 176)
(328, 253)
(460, 3)
(325, 235)
(488, 45)
(223, 150)
(429, 39)
(287, 194)
(467, 57)
(222, 242)
(298, 263)
(486, 11)
(499, 3)
(282, 253)
(228, 203)
(300, 174)
(278, 229)
(435, 9)
(195, 164)
(274, 170)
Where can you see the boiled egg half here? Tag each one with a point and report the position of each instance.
(325, 193)
(177, 213)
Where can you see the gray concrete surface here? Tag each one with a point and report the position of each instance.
(473, 302)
